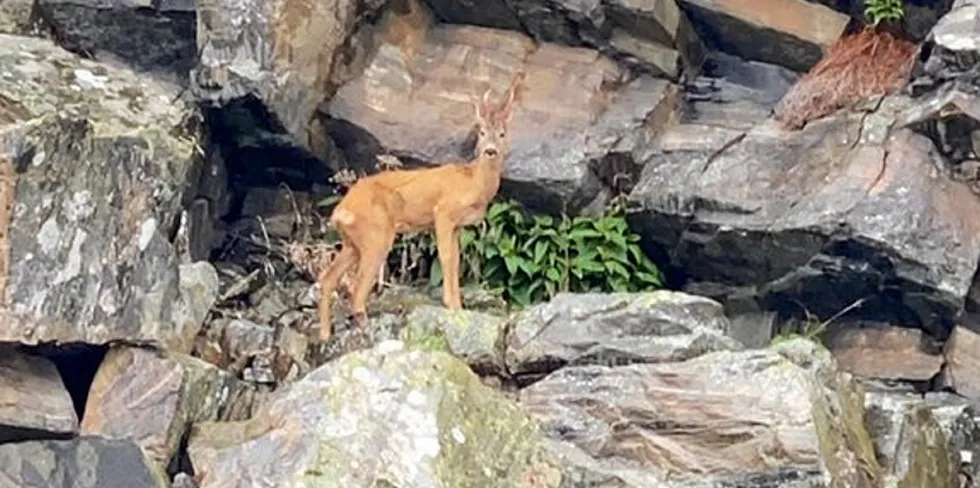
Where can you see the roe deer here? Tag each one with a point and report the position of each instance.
(447, 197)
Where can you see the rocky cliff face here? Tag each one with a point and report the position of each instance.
(160, 160)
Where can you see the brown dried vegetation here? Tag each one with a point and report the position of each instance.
(860, 65)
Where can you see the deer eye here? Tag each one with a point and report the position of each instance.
(483, 133)
(501, 134)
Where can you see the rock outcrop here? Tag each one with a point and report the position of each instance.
(615, 329)
(152, 399)
(34, 403)
(833, 212)
(94, 163)
(750, 418)
(82, 461)
(383, 416)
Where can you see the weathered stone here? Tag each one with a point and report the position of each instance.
(734, 93)
(718, 419)
(262, 49)
(958, 419)
(152, 398)
(579, 122)
(34, 403)
(475, 337)
(619, 328)
(963, 361)
(886, 352)
(80, 462)
(821, 217)
(243, 341)
(15, 17)
(791, 33)
(952, 48)
(651, 35)
(380, 417)
(911, 444)
(101, 156)
(149, 36)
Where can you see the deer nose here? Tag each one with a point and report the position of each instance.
(490, 151)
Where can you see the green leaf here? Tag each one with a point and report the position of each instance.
(616, 268)
(511, 262)
(553, 274)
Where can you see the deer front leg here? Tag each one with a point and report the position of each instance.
(328, 280)
(447, 243)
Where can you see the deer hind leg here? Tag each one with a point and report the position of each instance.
(373, 245)
(328, 280)
(447, 243)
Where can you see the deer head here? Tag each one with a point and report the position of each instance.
(492, 123)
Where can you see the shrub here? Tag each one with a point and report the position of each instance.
(883, 10)
(530, 258)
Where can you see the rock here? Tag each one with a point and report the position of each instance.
(822, 218)
(34, 403)
(734, 93)
(252, 48)
(958, 419)
(721, 419)
(911, 444)
(82, 461)
(616, 328)
(147, 35)
(16, 18)
(887, 352)
(654, 36)
(951, 50)
(962, 352)
(248, 349)
(475, 337)
(101, 156)
(378, 417)
(580, 119)
(152, 398)
(791, 33)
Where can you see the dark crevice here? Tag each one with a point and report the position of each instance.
(77, 363)
(181, 461)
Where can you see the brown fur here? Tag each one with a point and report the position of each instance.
(444, 198)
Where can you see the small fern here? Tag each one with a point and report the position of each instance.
(883, 10)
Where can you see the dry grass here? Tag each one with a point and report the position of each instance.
(857, 66)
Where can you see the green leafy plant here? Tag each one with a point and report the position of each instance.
(530, 258)
(881, 10)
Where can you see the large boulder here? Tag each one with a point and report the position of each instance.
(34, 403)
(378, 417)
(284, 54)
(94, 160)
(821, 217)
(791, 33)
(952, 48)
(152, 398)
(578, 128)
(613, 329)
(151, 36)
(653, 35)
(729, 418)
(76, 463)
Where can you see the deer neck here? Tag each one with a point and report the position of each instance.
(487, 172)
